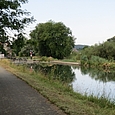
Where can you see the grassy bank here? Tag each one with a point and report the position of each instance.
(61, 95)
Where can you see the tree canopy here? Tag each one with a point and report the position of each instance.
(53, 39)
(18, 44)
(105, 50)
(12, 18)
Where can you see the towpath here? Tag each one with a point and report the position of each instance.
(18, 98)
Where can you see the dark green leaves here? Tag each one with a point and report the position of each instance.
(53, 39)
(12, 17)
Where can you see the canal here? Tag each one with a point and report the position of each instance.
(82, 80)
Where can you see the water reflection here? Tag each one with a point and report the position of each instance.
(56, 72)
(83, 80)
(95, 82)
(101, 75)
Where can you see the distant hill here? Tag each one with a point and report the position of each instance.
(80, 47)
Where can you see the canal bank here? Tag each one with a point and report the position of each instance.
(70, 102)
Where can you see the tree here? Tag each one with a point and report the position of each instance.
(18, 44)
(53, 39)
(12, 18)
(29, 46)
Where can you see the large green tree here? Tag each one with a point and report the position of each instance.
(12, 18)
(53, 39)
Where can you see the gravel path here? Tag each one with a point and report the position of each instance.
(18, 98)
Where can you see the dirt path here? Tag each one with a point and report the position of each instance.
(18, 98)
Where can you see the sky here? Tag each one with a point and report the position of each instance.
(91, 21)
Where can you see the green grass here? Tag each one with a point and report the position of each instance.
(60, 94)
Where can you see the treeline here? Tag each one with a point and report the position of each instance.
(100, 55)
(50, 39)
(104, 50)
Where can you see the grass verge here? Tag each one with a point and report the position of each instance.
(61, 95)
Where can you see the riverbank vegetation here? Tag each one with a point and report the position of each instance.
(60, 93)
(99, 55)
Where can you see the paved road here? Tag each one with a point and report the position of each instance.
(18, 98)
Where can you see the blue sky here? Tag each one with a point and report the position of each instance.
(91, 21)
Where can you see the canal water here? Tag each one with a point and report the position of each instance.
(100, 83)
(85, 81)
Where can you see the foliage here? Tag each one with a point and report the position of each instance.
(74, 56)
(25, 51)
(12, 18)
(2, 49)
(94, 61)
(18, 44)
(53, 39)
(111, 39)
(29, 46)
(104, 50)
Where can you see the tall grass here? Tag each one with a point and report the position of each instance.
(95, 61)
